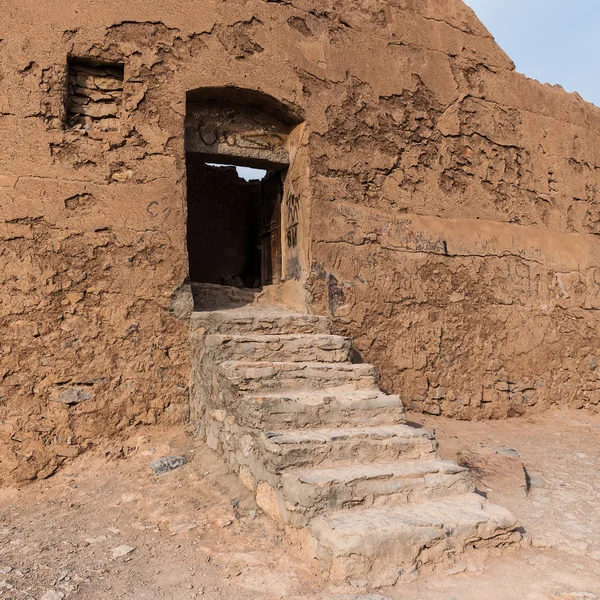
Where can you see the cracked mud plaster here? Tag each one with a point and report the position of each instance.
(474, 285)
(411, 110)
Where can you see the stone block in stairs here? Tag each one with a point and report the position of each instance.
(284, 347)
(377, 545)
(325, 447)
(316, 408)
(256, 320)
(266, 376)
(311, 491)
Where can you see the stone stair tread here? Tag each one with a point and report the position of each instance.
(252, 376)
(320, 397)
(254, 311)
(329, 434)
(350, 473)
(378, 542)
(296, 347)
(347, 530)
(286, 449)
(308, 491)
(297, 366)
(258, 319)
(319, 408)
(268, 337)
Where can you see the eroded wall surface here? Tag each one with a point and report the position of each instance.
(446, 207)
(93, 211)
(455, 221)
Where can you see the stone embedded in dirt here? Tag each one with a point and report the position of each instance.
(168, 463)
(506, 452)
(71, 394)
(357, 597)
(121, 551)
(52, 595)
(96, 540)
(496, 469)
(5, 570)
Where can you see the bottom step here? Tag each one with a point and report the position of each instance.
(378, 545)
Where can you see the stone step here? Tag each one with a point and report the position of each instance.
(284, 347)
(326, 447)
(256, 320)
(316, 408)
(374, 546)
(309, 491)
(272, 376)
(209, 296)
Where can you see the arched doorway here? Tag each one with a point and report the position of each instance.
(235, 216)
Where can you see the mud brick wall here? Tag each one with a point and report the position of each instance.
(447, 208)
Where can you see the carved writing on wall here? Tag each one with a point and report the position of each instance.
(292, 208)
(237, 131)
(211, 134)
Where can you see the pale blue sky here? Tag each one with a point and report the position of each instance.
(555, 41)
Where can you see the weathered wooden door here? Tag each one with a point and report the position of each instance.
(270, 228)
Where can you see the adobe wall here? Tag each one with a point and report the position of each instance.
(93, 224)
(456, 221)
(446, 208)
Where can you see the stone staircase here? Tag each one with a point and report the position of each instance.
(327, 453)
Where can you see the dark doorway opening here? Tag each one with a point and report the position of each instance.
(234, 224)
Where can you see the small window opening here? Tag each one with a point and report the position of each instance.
(95, 95)
(234, 223)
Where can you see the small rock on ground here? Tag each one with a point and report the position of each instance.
(497, 469)
(53, 595)
(168, 463)
(355, 597)
(121, 551)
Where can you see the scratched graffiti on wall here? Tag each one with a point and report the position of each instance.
(236, 131)
(419, 241)
(212, 134)
(563, 252)
(292, 209)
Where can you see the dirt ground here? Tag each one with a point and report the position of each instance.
(196, 532)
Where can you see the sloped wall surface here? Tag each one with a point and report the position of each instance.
(447, 207)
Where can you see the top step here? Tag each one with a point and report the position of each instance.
(209, 296)
(256, 319)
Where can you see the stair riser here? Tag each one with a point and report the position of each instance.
(395, 561)
(345, 450)
(267, 380)
(304, 501)
(377, 559)
(260, 419)
(211, 323)
(282, 350)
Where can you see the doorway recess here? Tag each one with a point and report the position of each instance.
(234, 229)
(234, 224)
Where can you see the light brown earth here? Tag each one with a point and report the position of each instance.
(193, 540)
